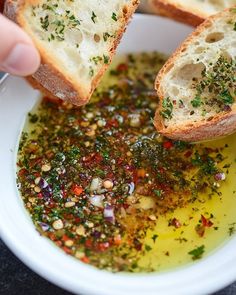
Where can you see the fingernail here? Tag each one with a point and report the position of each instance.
(22, 60)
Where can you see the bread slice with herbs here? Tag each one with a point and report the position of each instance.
(192, 12)
(76, 40)
(197, 85)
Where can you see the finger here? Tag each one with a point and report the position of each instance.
(18, 56)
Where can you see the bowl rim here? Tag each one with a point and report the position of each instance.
(195, 276)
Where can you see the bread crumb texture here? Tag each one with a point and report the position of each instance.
(81, 35)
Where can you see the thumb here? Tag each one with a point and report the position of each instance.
(18, 56)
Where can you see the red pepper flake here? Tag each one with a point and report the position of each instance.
(112, 123)
(117, 240)
(52, 236)
(52, 205)
(103, 246)
(85, 259)
(37, 174)
(120, 161)
(110, 175)
(77, 190)
(77, 220)
(40, 195)
(175, 222)
(126, 206)
(65, 238)
(22, 172)
(98, 158)
(135, 177)
(67, 250)
(188, 154)
(68, 216)
(168, 145)
(88, 244)
(206, 222)
(161, 170)
(137, 244)
(58, 243)
(64, 193)
(122, 67)
(200, 230)
(93, 158)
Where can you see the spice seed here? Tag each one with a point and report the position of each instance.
(46, 168)
(80, 230)
(37, 189)
(69, 204)
(58, 224)
(69, 243)
(108, 184)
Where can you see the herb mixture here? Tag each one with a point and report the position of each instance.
(219, 84)
(216, 88)
(96, 179)
(55, 20)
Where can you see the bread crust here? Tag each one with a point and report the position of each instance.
(178, 13)
(48, 78)
(220, 125)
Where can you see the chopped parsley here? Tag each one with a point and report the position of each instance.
(154, 237)
(196, 102)
(44, 22)
(114, 16)
(106, 59)
(217, 84)
(106, 35)
(167, 108)
(197, 252)
(158, 192)
(148, 248)
(93, 17)
(232, 229)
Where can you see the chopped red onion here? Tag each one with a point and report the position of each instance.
(97, 234)
(220, 176)
(44, 226)
(42, 183)
(131, 188)
(47, 192)
(109, 214)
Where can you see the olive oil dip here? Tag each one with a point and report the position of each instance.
(106, 188)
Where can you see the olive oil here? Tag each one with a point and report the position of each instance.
(101, 184)
(173, 244)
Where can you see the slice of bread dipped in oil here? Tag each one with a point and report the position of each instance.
(197, 85)
(76, 40)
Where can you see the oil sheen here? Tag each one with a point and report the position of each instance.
(100, 183)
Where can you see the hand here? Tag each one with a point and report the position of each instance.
(18, 56)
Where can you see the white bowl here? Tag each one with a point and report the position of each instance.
(17, 231)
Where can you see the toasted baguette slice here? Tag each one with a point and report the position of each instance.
(197, 85)
(76, 40)
(192, 12)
